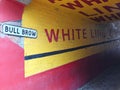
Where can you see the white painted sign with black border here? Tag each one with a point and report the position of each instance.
(19, 31)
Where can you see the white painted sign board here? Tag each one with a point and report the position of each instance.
(19, 31)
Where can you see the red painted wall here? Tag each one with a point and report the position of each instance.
(67, 77)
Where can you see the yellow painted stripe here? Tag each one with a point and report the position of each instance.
(61, 28)
(38, 65)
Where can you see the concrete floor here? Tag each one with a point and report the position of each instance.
(108, 80)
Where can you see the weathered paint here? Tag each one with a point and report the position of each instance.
(62, 33)
(70, 49)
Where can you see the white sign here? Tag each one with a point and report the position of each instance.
(18, 31)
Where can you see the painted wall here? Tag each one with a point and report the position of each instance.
(76, 40)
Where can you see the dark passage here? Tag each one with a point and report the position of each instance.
(108, 80)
